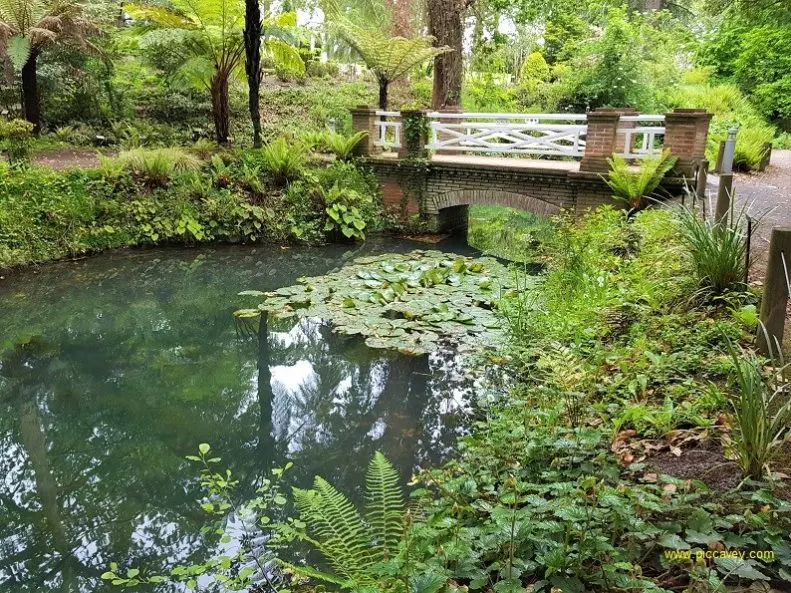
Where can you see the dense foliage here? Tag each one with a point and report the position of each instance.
(573, 477)
(150, 197)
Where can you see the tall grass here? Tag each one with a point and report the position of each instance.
(155, 166)
(761, 412)
(718, 252)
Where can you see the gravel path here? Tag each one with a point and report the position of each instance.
(767, 197)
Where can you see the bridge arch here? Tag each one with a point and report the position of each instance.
(451, 208)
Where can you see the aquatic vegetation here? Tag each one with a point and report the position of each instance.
(409, 302)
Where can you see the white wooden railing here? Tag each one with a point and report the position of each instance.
(508, 133)
(389, 124)
(543, 134)
(644, 138)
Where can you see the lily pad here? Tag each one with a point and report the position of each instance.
(404, 302)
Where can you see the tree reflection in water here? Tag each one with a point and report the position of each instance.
(112, 372)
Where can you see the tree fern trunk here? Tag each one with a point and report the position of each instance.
(383, 87)
(30, 97)
(252, 48)
(220, 108)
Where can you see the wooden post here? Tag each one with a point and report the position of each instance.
(724, 198)
(775, 297)
(702, 178)
(720, 155)
(767, 156)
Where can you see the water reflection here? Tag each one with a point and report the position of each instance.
(113, 369)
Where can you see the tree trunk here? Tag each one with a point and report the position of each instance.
(219, 107)
(383, 84)
(252, 50)
(30, 98)
(445, 19)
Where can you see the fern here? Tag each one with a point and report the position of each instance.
(384, 505)
(353, 546)
(343, 146)
(633, 186)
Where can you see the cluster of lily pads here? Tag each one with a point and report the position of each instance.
(406, 302)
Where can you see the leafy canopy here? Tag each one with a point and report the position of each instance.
(211, 32)
(28, 27)
(389, 58)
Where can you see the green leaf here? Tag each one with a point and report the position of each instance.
(18, 50)
(741, 568)
(204, 448)
(671, 540)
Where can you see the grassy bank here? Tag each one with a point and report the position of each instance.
(171, 196)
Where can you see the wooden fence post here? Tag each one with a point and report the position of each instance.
(776, 292)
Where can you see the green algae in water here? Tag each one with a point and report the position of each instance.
(405, 302)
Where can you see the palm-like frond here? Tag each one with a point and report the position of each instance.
(338, 530)
(389, 58)
(384, 505)
(285, 55)
(632, 185)
(355, 548)
(42, 23)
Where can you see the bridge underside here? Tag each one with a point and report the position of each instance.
(442, 189)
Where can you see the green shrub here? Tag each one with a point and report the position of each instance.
(718, 253)
(752, 144)
(535, 67)
(156, 167)
(16, 136)
(633, 188)
(345, 212)
(284, 161)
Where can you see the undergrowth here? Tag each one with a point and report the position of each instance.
(152, 197)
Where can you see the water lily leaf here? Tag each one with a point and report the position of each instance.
(405, 302)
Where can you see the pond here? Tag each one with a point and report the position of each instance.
(115, 367)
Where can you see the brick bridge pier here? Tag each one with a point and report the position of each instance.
(437, 164)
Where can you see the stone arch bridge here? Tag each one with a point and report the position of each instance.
(464, 159)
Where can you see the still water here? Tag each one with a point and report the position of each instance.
(113, 368)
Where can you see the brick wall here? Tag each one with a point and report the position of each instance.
(446, 189)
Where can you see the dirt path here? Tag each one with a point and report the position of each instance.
(67, 158)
